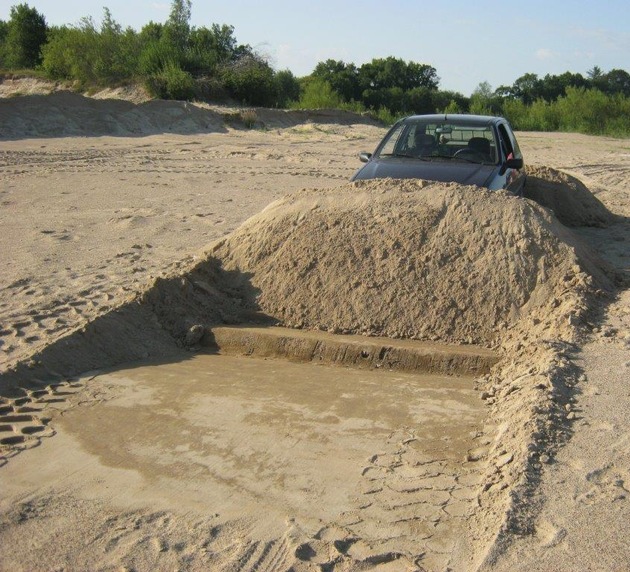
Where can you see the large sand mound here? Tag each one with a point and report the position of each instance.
(401, 259)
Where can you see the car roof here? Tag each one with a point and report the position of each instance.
(476, 120)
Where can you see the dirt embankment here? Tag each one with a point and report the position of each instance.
(30, 108)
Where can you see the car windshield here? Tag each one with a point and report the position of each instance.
(441, 141)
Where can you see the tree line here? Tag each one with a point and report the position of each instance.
(172, 59)
(177, 61)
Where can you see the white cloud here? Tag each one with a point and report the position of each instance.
(544, 54)
(161, 7)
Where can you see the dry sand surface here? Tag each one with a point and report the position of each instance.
(132, 230)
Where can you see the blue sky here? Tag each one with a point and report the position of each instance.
(467, 41)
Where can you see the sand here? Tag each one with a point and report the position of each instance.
(130, 230)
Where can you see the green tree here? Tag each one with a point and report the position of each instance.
(4, 30)
(614, 81)
(594, 73)
(92, 55)
(250, 80)
(177, 28)
(318, 94)
(484, 101)
(394, 72)
(526, 88)
(418, 100)
(449, 101)
(551, 87)
(287, 88)
(25, 35)
(342, 77)
(115, 54)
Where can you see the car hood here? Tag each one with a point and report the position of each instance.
(461, 172)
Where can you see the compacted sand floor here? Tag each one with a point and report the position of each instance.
(265, 442)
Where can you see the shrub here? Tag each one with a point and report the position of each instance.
(287, 88)
(452, 107)
(249, 118)
(250, 80)
(171, 83)
(318, 94)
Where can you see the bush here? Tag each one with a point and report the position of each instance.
(250, 81)
(385, 116)
(585, 110)
(318, 94)
(452, 107)
(287, 88)
(171, 83)
(210, 89)
(90, 56)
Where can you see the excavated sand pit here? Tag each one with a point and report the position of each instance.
(195, 461)
(388, 465)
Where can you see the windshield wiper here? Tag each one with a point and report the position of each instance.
(406, 155)
(468, 160)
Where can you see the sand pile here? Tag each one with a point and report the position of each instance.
(430, 261)
(400, 259)
(569, 199)
(65, 114)
(47, 110)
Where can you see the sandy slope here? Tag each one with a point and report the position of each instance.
(87, 222)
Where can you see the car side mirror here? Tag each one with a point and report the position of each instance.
(514, 163)
(365, 157)
(511, 163)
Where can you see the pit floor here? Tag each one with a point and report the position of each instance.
(384, 455)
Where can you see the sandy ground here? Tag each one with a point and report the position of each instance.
(89, 221)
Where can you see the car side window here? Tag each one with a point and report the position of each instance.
(506, 143)
(394, 142)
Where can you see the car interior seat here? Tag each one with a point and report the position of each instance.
(480, 145)
(424, 143)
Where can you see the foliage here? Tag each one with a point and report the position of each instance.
(177, 28)
(342, 77)
(92, 56)
(287, 88)
(250, 80)
(393, 72)
(23, 37)
(171, 82)
(318, 94)
(483, 101)
(580, 110)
